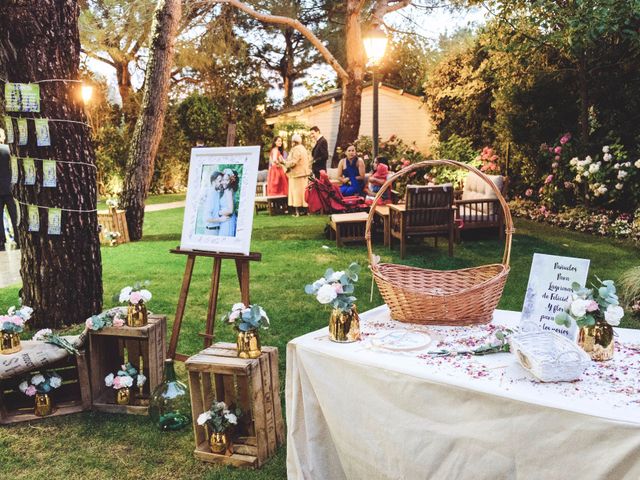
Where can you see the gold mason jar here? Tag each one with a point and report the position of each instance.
(344, 327)
(123, 396)
(597, 341)
(218, 442)
(9, 343)
(44, 406)
(137, 314)
(248, 344)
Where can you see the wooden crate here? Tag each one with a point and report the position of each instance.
(250, 384)
(71, 397)
(113, 221)
(108, 347)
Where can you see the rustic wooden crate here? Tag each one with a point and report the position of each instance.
(107, 348)
(113, 221)
(250, 384)
(71, 397)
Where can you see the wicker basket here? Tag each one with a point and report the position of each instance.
(435, 297)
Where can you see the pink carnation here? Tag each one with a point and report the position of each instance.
(592, 306)
(135, 297)
(558, 149)
(549, 179)
(118, 322)
(89, 324)
(30, 391)
(565, 138)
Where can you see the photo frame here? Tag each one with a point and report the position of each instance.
(218, 216)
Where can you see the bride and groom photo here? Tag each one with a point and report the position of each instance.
(218, 212)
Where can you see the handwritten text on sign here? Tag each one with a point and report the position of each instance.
(549, 291)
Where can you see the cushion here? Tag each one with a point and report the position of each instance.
(475, 188)
(332, 173)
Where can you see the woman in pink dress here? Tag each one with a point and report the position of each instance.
(277, 182)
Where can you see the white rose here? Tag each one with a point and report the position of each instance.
(108, 380)
(125, 293)
(146, 295)
(336, 276)
(594, 167)
(141, 380)
(204, 418)
(231, 418)
(605, 149)
(619, 186)
(25, 312)
(602, 190)
(637, 164)
(578, 179)
(55, 381)
(616, 166)
(41, 335)
(585, 174)
(37, 379)
(23, 386)
(238, 307)
(627, 164)
(318, 283)
(621, 174)
(573, 161)
(613, 314)
(588, 160)
(126, 381)
(579, 307)
(326, 294)
(607, 157)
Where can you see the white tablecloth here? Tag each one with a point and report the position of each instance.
(355, 412)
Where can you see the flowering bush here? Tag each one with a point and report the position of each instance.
(219, 417)
(40, 383)
(335, 288)
(247, 318)
(489, 160)
(588, 305)
(14, 320)
(135, 294)
(126, 377)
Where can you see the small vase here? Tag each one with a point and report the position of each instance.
(219, 442)
(137, 314)
(10, 343)
(344, 327)
(248, 344)
(597, 341)
(44, 406)
(123, 396)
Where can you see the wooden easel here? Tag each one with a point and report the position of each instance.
(242, 268)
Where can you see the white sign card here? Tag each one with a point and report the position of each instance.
(29, 171)
(34, 218)
(8, 123)
(14, 169)
(549, 291)
(49, 178)
(43, 138)
(23, 131)
(55, 221)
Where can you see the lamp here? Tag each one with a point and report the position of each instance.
(87, 92)
(375, 44)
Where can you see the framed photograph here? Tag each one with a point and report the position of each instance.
(218, 216)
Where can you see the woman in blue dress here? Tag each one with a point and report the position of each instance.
(227, 207)
(351, 173)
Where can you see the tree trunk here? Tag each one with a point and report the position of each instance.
(148, 131)
(61, 274)
(125, 88)
(288, 68)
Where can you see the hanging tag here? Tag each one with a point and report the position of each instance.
(49, 173)
(22, 97)
(14, 169)
(23, 132)
(29, 171)
(43, 139)
(34, 218)
(8, 126)
(55, 221)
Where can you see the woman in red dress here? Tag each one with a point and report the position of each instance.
(277, 182)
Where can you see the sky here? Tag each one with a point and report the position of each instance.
(431, 26)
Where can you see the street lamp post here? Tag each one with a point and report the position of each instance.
(375, 43)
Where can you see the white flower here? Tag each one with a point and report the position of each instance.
(220, 406)
(25, 312)
(231, 418)
(146, 295)
(204, 418)
(602, 190)
(234, 315)
(617, 166)
(11, 310)
(125, 293)
(55, 381)
(619, 186)
(621, 174)
(607, 157)
(318, 283)
(579, 307)
(594, 167)
(588, 160)
(578, 179)
(108, 380)
(23, 386)
(573, 161)
(326, 294)
(613, 314)
(37, 379)
(627, 164)
(336, 276)
(126, 381)
(41, 335)
(141, 380)
(238, 307)
(605, 149)
(637, 164)
(585, 174)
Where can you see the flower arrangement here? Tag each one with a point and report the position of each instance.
(47, 335)
(126, 377)
(336, 288)
(136, 294)
(112, 203)
(588, 305)
(40, 383)
(112, 237)
(14, 320)
(245, 318)
(219, 417)
(110, 318)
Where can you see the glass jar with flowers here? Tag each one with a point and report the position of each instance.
(595, 311)
(136, 297)
(122, 382)
(11, 326)
(336, 289)
(219, 420)
(40, 385)
(247, 320)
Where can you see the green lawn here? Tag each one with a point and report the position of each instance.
(294, 252)
(152, 200)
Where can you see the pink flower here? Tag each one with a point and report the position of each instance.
(30, 391)
(338, 288)
(554, 165)
(568, 185)
(548, 180)
(529, 192)
(117, 382)
(135, 297)
(558, 149)
(551, 149)
(565, 138)
(405, 163)
(543, 209)
(557, 158)
(592, 306)
(89, 324)
(118, 322)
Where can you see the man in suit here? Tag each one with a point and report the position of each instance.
(320, 152)
(5, 193)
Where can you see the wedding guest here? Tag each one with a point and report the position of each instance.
(299, 167)
(227, 203)
(320, 152)
(378, 177)
(351, 173)
(277, 182)
(5, 194)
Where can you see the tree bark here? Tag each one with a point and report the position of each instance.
(61, 274)
(148, 130)
(287, 69)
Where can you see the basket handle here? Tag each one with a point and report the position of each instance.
(450, 163)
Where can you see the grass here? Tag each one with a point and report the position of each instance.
(152, 200)
(294, 252)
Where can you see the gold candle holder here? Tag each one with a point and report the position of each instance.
(137, 314)
(123, 396)
(597, 340)
(44, 405)
(248, 344)
(344, 327)
(219, 442)
(9, 343)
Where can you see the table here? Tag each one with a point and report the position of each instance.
(382, 211)
(348, 227)
(355, 412)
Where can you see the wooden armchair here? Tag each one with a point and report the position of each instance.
(478, 207)
(427, 212)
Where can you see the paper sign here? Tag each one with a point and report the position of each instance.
(14, 169)
(22, 97)
(43, 138)
(34, 218)
(23, 132)
(29, 171)
(8, 125)
(549, 291)
(49, 173)
(55, 221)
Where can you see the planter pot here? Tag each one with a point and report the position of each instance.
(248, 344)
(123, 396)
(137, 314)
(219, 442)
(344, 327)
(9, 343)
(597, 341)
(44, 405)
